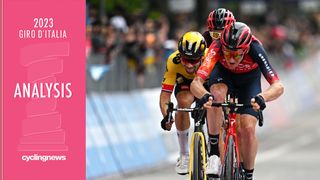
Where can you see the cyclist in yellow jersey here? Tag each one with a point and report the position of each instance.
(182, 66)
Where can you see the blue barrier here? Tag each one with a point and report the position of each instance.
(120, 135)
(98, 155)
(155, 146)
(113, 121)
(130, 127)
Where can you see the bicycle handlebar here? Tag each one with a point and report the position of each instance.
(186, 109)
(233, 105)
(171, 109)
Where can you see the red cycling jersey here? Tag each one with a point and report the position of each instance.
(252, 60)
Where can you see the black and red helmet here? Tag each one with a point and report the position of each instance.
(219, 18)
(236, 36)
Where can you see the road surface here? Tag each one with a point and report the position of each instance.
(286, 153)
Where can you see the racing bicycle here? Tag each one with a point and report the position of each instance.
(198, 148)
(231, 168)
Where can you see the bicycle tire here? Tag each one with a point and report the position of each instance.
(197, 164)
(228, 172)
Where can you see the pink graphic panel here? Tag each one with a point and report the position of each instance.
(1, 91)
(44, 89)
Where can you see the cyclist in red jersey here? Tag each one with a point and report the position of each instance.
(234, 63)
(217, 20)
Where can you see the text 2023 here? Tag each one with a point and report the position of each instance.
(43, 22)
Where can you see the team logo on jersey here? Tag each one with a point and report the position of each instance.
(202, 72)
(176, 59)
(210, 55)
(185, 87)
(266, 64)
(219, 79)
(179, 80)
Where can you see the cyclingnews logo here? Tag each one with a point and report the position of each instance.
(43, 158)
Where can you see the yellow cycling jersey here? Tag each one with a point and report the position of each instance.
(173, 69)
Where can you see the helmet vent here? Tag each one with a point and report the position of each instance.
(243, 39)
(193, 48)
(187, 46)
(233, 39)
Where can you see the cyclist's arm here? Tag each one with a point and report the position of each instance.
(164, 99)
(276, 88)
(168, 83)
(274, 91)
(197, 88)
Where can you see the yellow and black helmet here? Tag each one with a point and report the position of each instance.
(192, 45)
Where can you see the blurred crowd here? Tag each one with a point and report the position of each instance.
(290, 39)
(145, 42)
(140, 39)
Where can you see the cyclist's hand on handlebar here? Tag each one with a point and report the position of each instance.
(205, 101)
(258, 103)
(208, 104)
(165, 124)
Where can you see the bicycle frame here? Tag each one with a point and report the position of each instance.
(231, 151)
(230, 130)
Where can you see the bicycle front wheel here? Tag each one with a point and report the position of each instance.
(198, 161)
(230, 170)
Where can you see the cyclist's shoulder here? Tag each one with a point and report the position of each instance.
(206, 33)
(174, 57)
(255, 42)
(215, 46)
(174, 61)
(256, 49)
(214, 51)
(207, 38)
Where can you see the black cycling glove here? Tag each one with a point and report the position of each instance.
(260, 100)
(203, 100)
(164, 121)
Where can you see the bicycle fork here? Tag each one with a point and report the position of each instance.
(232, 131)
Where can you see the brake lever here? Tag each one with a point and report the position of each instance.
(260, 118)
(169, 111)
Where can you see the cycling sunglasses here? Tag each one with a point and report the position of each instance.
(190, 60)
(235, 54)
(214, 35)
